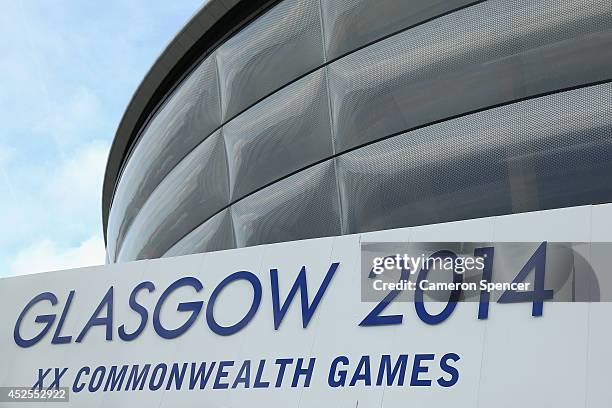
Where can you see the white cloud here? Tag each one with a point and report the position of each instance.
(59, 200)
(55, 205)
(71, 118)
(6, 154)
(69, 80)
(76, 186)
(45, 255)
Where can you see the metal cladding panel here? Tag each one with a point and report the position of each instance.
(283, 133)
(480, 56)
(350, 24)
(549, 152)
(278, 47)
(192, 192)
(188, 116)
(301, 206)
(215, 234)
(419, 99)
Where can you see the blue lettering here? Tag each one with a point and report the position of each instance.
(161, 368)
(417, 368)
(282, 363)
(138, 308)
(449, 369)
(176, 377)
(200, 375)
(193, 307)
(362, 373)
(137, 379)
(96, 379)
(94, 320)
(301, 371)
(454, 296)
(47, 319)
(340, 380)
(301, 285)
(244, 375)
(229, 330)
(258, 383)
(221, 373)
(76, 386)
(114, 381)
(399, 370)
(57, 339)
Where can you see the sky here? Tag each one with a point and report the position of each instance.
(68, 69)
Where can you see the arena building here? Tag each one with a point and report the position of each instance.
(288, 148)
(272, 121)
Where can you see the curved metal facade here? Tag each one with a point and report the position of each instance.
(329, 117)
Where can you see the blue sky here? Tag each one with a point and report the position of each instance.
(67, 72)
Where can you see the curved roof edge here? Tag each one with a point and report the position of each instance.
(212, 24)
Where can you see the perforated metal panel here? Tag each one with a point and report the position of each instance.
(191, 193)
(350, 24)
(215, 234)
(278, 47)
(540, 153)
(550, 152)
(283, 133)
(480, 56)
(301, 206)
(188, 116)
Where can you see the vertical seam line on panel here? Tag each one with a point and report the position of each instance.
(322, 31)
(330, 116)
(340, 210)
(234, 226)
(229, 194)
(229, 182)
(218, 88)
(482, 361)
(589, 306)
(233, 231)
(335, 161)
(227, 176)
(590, 287)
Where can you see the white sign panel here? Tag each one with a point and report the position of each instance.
(283, 326)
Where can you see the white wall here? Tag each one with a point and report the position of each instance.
(510, 360)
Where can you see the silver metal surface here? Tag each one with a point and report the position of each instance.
(192, 192)
(549, 152)
(279, 46)
(302, 206)
(480, 56)
(187, 118)
(283, 133)
(215, 234)
(447, 120)
(350, 24)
